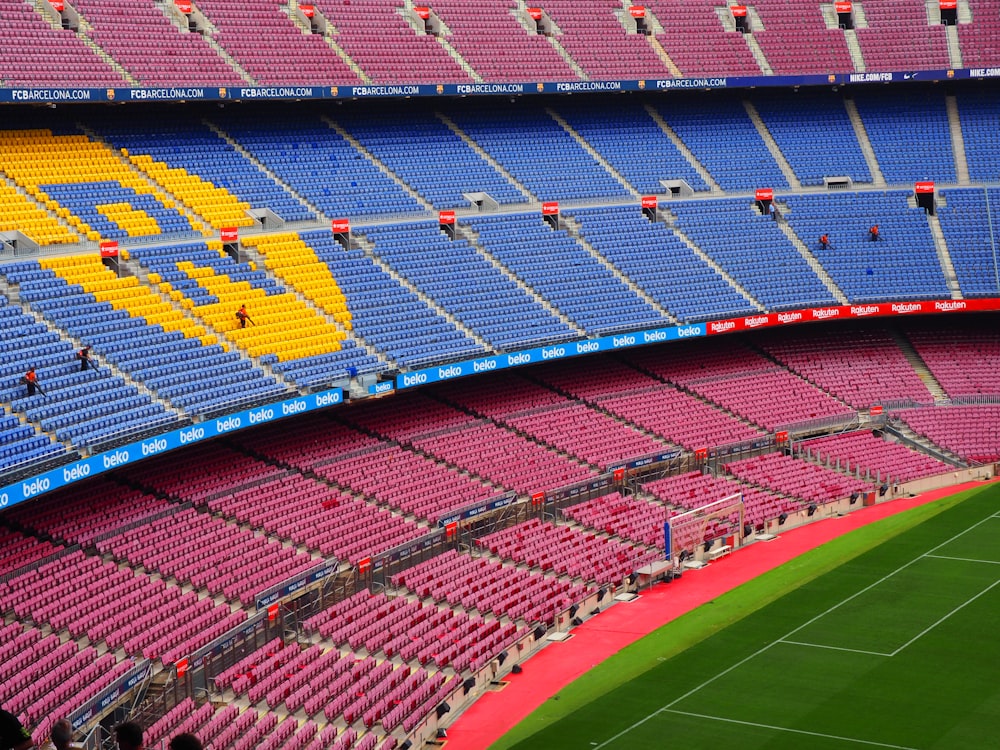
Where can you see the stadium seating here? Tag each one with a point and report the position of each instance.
(87, 185)
(467, 286)
(548, 162)
(964, 360)
(403, 147)
(796, 40)
(743, 163)
(748, 246)
(386, 314)
(142, 39)
(860, 365)
(796, 123)
(489, 586)
(569, 427)
(972, 432)
(869, 456)
(569, 551)
(970, 243)
(661, 264)
(900, 38)
(285, 55)
(903, 264)
(33, 53)
(489, 38)
(795, 478)
(889, 119)
(695, 39)
(572, 280)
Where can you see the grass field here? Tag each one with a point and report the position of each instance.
(887, 638)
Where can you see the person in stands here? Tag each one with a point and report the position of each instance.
(873, 233)
(243, 317)
(84, 356)
(185, 741)
(128, 735)
(13, 736)
(30, 381)
(824, 242)
(61, 736)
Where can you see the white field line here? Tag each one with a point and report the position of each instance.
(763, 649)
(787, 729)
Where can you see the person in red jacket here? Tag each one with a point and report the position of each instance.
(30, 380)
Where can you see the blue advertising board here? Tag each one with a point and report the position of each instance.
(364, 91)
(547, 354)
(115, 459)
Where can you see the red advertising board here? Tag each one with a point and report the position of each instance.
(446, 217)
(739, 11)
(923, 187)
(109, 249)
(618, 475)
(184, 6)
(182, 667)
(535, 13)
(875, 411)
(842, 7)
(637, 11)
(700, 454)
(229, 234)
(650, 201)
(781, 436)
(537, 498)
(451, 529)
(550, 208)
(875, 309)
(57, 5)
(422, 11)
(948, 4)
(309, 11)
(341, 226)
(272, 612)
(762, 194)
(364, 565)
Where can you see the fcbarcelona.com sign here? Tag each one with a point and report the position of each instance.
(127, 454)
(293, 93)
(547, 354)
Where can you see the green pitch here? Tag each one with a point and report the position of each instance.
(886, 638)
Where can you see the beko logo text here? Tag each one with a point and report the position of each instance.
(449, 372)
(31, 489)
(686, 331)
(382, 387)
(650, 336)
(195, 433)
(518, 359)
(72, 473)
(415, 379)
(154, 446)
(118, 458)
(329, 399)
(590, 346)
(4, 499)
(617, 341)
(483, 365)
(227, 424)
(553, 352)
(260, 415)
(293, 407)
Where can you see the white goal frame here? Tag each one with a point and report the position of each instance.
(685, 532)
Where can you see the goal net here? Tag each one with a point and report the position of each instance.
(687, 531)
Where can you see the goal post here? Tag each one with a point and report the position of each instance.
(687, 531)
